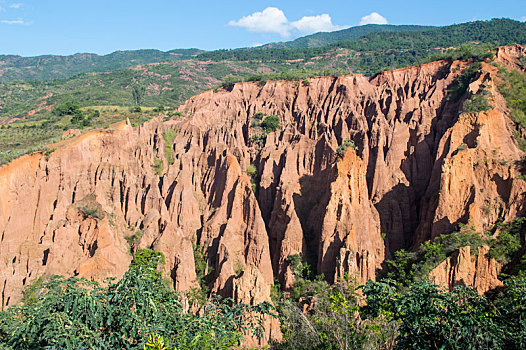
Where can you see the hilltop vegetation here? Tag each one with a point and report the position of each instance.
(327, 38)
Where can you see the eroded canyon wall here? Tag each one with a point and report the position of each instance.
(419, 168)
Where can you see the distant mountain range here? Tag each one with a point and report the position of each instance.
(50, 67)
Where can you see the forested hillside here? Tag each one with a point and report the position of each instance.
(326, 38)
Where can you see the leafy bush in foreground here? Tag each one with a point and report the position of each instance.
(75, 313)
(432, 318)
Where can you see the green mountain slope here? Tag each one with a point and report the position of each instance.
(51, 67)
(418, 44)
(327, 38)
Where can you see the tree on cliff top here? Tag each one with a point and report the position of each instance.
(138, 92)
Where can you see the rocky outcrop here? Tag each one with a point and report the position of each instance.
(479, 270)
(419, 169)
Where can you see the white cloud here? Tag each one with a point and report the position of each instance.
(273, 20)
(373, 18)
(270, 20)
(314, 24)
(15, 6)
(16, 22)
(523, 18)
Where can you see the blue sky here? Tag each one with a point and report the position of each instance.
(36, 27)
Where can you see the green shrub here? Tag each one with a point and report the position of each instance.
(513, 88)
(30, 293)
(465, 52)
(258, 140)
(270, 124)
(330, 319)
(258, 116)
(340, 151)
(252, 171)
(509, 240)
(204, 274)
(134, 239)
(459, 86)
(91, 212)
(476, 103)
(68, 108)
(48, 152)
(408, 267)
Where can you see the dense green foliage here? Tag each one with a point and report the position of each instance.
(476, 103)
(431, 318)
(465, 52)
(408, 267)
(458, 88)
(507, 247)
(169, 137)
(317, 315)
(340, 151)
(270, 124)
(75, 313)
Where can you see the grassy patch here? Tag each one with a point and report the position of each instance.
(158, 166)
(168, 137)
(513, 88)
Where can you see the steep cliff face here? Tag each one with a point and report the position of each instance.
(419, 169)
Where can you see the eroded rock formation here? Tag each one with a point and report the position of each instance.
(419, 169)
